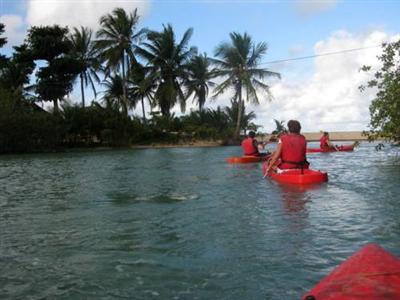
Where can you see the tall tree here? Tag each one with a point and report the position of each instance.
(232, 113)
(199, 79)
(84, 52)
(168, 61)
(385, 107)
(142, 86)
(116, 40)
(55, 79)
(280, 127)
(238, 63)
(113, 95)
(3, 41)
(16, 71)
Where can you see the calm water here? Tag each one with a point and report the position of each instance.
(183, 224)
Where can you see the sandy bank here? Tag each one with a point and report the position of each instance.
(334, 136)
(180, 145)
(310, 136)
(337, 136)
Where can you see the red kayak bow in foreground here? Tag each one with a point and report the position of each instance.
(372, 273)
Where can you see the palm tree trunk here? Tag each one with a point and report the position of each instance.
(202, 99)
(124, 98)
(82, 91)
(55, 110)
(239, 116)
(144, 115)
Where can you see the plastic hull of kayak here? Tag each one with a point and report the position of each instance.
(299, 177)
(246, 159)
(372, 273)
(340, 148)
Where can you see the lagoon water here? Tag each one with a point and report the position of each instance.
(183, 224)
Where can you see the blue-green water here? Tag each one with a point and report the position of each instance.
(183, 224)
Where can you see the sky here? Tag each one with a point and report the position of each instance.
(321, 92)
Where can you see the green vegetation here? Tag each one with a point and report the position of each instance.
(123, 66)
(238, 63)
(280, 127)
(385, 107)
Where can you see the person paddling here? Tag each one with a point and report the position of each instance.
(291, 150)
(325, 143)
(250, 145)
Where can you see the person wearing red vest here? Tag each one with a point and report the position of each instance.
(250, 145)
(325, 143)
(291, 150)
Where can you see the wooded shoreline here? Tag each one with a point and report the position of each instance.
(346, 136)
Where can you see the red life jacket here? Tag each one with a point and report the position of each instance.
(248, 147)
(293, 155)
(323, 142)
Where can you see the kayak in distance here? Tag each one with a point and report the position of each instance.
(297, 176)
(372, 273)
(247, 159)
(337, 149)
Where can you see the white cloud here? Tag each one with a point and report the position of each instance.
(77, 12)
(14, 29)
(329, 99)
(64, 12)
(312, 7)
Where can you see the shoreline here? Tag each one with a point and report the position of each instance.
(336, 136)
(193, 144)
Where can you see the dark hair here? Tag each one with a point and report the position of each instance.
(294, 126)
(252, 134)
(326, 133)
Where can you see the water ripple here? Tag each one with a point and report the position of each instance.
(183, 224)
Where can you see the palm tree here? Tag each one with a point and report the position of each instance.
(238, 63)
(142, 86)
(113, 95)
(3, 41)
(168, 61)
(280, 127)
(233, 112)
(199, 79)
(85, 53)
(116, 41)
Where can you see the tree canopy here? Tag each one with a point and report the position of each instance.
(385, 107)
(238, 62)
(54, 80)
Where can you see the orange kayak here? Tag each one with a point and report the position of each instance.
(246, 159)
(372, 273)
(340, 148)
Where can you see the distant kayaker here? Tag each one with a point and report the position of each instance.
(325, 143)
(251, 146)
(291, 150)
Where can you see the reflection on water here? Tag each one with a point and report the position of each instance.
(183, 224)
(295, 197)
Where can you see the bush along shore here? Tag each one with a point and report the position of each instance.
(29, 128)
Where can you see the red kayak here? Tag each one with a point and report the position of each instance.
(298, 176)
(372, 273)
(246, 159)
(340, 148)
